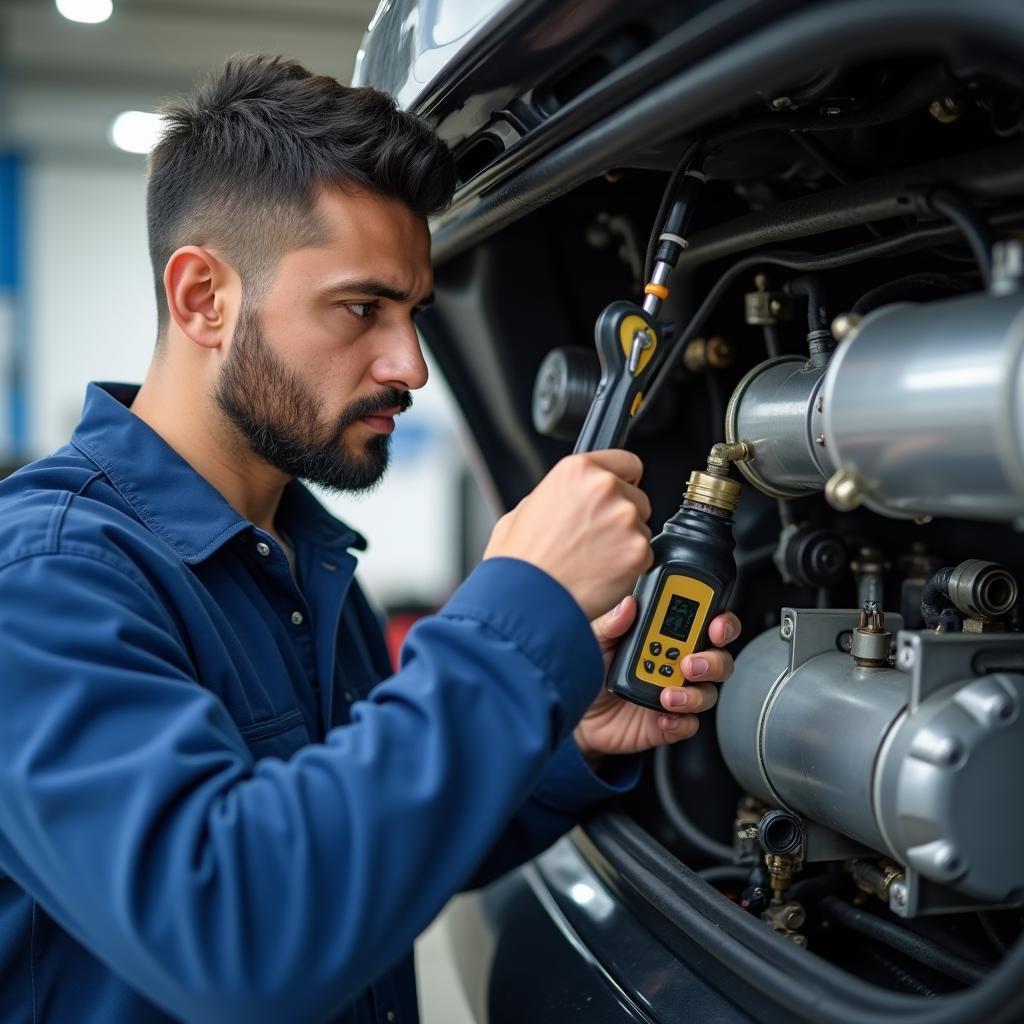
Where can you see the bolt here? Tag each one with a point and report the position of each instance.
(775, 307)
(843, 491)
(898, 894)
(787, 628)
(945, 109)
(846, 326)
(820, 440)
(949, 751)
(1001, 709)
(781, 103)
(820, 404)
(747, 833)
(906, 658)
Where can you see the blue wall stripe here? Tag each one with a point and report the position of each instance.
(14, 375)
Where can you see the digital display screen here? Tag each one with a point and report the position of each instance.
(679, 618)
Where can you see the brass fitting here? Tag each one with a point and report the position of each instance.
(876, 879)
(782, 867)
(713, 486)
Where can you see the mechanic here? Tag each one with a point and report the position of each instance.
(217, 802)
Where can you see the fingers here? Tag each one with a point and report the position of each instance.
(640, 499)
(623, 464)
(707, 666)
(692, 699)
(610, 626)
(678, 727)
(724, 629)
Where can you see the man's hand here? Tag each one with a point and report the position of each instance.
(585, 524)
(616, 726)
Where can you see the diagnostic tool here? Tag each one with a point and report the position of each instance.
(690, 583)
(694, 569)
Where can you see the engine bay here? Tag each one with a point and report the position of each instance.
(849, 304)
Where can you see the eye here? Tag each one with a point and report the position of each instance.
(363, 310)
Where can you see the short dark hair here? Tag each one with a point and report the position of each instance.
(242, 159)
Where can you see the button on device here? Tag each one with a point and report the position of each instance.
(666, 670)
(672, 653)
(263, 548)
(649, 665)
(655, 648)
(297, 618)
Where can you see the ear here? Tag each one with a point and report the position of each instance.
(198, 286)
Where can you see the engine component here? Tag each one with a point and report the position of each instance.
(810, 556)
(983, 592)
(871, 641)
(563, 390)
(930, 750)
(901, 453)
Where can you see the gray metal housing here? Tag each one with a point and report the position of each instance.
(924, 407)
(922, 767)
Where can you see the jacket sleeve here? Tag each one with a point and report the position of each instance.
(225, 888)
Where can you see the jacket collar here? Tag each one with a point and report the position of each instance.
(170, 497)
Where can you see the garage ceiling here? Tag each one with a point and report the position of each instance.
(64, 82)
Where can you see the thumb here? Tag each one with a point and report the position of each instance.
(610, 626)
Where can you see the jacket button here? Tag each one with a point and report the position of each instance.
(263, 548)
(297, 618)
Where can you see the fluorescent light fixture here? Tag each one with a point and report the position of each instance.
(90, 12)
(136, 131)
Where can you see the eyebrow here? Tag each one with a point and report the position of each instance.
(378, 289)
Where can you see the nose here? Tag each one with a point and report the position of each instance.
(399, 362)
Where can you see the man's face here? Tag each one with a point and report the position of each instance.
(317, 371)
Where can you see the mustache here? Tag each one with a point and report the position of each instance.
(371, 405)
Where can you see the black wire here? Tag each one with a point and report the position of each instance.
(677, 815)
(891, 245)
(990, 930)
(975, 229)
(918, 948)
(889, 291)
(684, 164)
(771, 340)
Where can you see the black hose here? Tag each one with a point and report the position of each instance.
(909, 981)
(725, 873)
(809, 287)
(677, 815)
(974, 228)
(913, 284)
(788, 976)
(918, 948)
(990, 930)
(935, 597)
(771, 341)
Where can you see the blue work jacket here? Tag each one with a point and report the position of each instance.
(217, 803)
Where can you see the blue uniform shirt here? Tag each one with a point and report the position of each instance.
(216, 801)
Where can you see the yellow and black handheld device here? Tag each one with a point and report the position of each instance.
(690, 583)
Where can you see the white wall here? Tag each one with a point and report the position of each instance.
(92, 316)
(91, 311)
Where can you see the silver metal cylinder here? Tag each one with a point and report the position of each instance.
(920, 763)
(923, 408)
(774, 409)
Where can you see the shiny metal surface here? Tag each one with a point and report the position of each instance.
(948, 788)
(408, 43)
(774, 410)
(925, 405)
(920, 762)
(923, 408)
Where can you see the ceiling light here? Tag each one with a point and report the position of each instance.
(91, 12)
(136, 131)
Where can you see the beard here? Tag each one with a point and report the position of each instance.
(282, 423)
